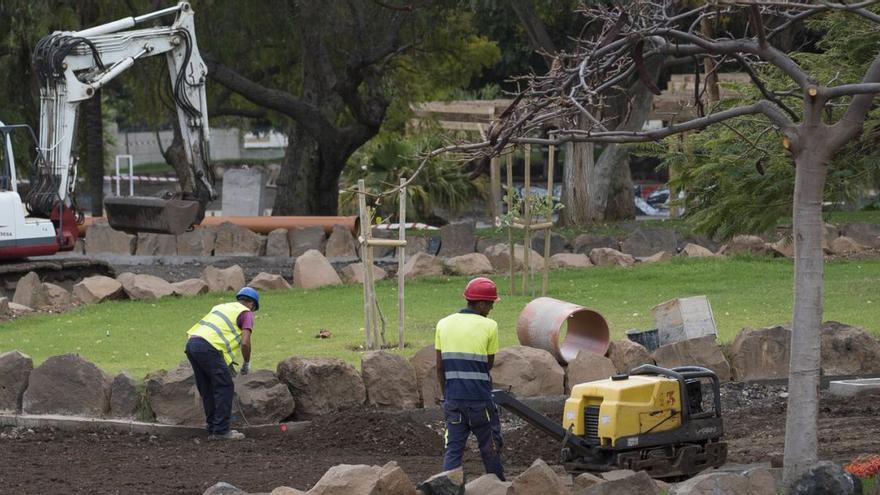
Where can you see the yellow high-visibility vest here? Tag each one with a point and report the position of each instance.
(220, 328)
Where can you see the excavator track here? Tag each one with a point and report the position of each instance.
(61, 271)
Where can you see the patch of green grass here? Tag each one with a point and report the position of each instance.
(141, 336)
(862, 216)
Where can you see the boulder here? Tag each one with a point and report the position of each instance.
(390, 381)
(617, 474)
(499, 256)
(487, 484)
(424, 364)
(445, 483)
(97, 289)
(312, 270)
(658, 257)
(347, 479)
(746, 244)
(156, 245)
(386, 251)
(354, 273)
(125, 400)
(173, 397)
(587, 367)
(190, 287)
(4, 307)
(67, 384)
(17, 310)
(610, 257)
(277, 243)
(304, 239)
(197, 242)
(15, 369)
(848, 350)
(557, 242)
(341, 243)
(783, 248)
(570, 260)
(321, 385)
(586, 480)
(761, 354)
(457, 238)
(636, 484)
(224, 488)
(842, 246)
(235, 240)
(826, 477)
(263, 398)
(696, 251)
(528, 372)
(585, 243)
(422, 265)
(538, 479)
(286, 490)
(416, 244)
(469, 264)
(101, 239)
(51, 297)
(140, 286)
(25, 289)
(223, 279)
(866, 234)
(762, 481)
(645, 242)
(714, 482)
(702, 351)
(268, 281)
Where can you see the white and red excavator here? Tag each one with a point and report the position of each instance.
(70, 68)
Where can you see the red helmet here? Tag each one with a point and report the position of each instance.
(481, 289)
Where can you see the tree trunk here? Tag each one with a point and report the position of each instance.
(94, 130)
(309, 179)
(803, 387)
(575, 185)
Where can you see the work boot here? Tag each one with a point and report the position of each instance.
(229, 435)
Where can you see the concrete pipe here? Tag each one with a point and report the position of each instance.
(562, 328)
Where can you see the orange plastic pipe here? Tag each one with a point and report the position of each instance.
(263, 225)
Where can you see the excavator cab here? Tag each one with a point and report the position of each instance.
(152, 214)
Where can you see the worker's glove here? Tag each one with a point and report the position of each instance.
(245, 368)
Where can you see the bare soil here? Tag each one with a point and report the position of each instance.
(47, 461)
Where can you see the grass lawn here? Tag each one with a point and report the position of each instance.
(142, 336)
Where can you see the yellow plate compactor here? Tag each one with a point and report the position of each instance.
(653, 419)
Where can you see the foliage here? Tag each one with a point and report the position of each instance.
(539, 207)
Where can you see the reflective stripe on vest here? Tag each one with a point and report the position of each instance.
(218, 329)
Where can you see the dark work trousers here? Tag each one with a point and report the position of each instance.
(214, 381)
(480, 418)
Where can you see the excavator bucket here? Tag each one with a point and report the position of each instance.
(148, 214)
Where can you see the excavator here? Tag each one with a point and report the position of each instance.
(70, 68)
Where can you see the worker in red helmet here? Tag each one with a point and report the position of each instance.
(466, 343)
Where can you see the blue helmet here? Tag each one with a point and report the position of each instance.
(251, 294)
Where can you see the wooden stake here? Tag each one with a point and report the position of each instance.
(551, 156)
(510, 229)
(495, 184)
(527, 214)
(401, 260)
(365, 261)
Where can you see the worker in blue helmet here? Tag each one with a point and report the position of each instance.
(211, 348)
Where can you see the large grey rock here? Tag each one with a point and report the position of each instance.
(17, 310)
(826, 477)
(347, 479)
(354, 273)
(538, 479)
(125, 400)
(848, 350)
(321, 385)
(268, 281)
(243, 191)
(586, 480)
(224, 488)
(263, 398)
(488, 484)
(424, 363)
(658, 257)
(422, 265)
(528, 372)
(469, 264)
(149, 244)
(842, 246)
(67, 384)
(4, 307)
(628, 355)
(457, 238)
(190, 287)
(587, 367)
(390, 381)
(51, 297)
(645, 242)
(312, 270)
(445, 483)
(341, 243)
(570, 260)
(25, 289)
(691, 250)
(703, 351)
(761, 354)
(15, 369)
(277, 243)
(866, 234)
(714, 482)
(173, 397)
(585, 243)
(782, 248)
(97, 289)
(499, 256)
(557, 242)
(223, 279)
(101, 239)
(197, 242)
(637, 484)
(235, 240)
(303, 239)
(610, 257)
(747, 244)
(140, 286)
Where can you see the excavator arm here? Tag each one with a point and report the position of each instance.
(72, 66)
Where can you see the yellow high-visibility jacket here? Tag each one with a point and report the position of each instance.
(220, 329)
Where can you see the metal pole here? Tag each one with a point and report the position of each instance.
(117, 175)
(509, 198)
(401, 260)
(364, 237)
(130, 175)
(551, 156)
